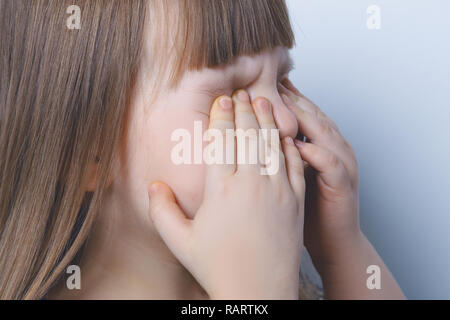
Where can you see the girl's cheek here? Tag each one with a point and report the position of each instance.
(168, 127)
(188, 185)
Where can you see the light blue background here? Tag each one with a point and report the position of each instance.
(389, 92)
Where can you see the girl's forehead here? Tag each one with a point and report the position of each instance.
(276, 62)
(193, 35)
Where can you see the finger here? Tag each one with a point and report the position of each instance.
(324, 135)
(307, 105)
(220, 152)
(246, 133)
(169, 220)
(309, 124)
(270, 152)
(264, 113)
(294, 167)
(290, 86)
(304, 102)
(327, 164)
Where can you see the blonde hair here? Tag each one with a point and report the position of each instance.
(63, 100)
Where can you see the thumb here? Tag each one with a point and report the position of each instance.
(168, 218)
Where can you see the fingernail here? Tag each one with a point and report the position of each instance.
(263, 105)
(243, 96)
(299, 143)
(289, 140)
(226, 103)
(286, 99)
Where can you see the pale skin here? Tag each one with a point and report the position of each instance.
(126, 257)
(176, 243)
(339, 249)
(227, 246)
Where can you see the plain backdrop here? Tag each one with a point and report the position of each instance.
(389, 92)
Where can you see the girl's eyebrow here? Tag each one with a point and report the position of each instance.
(285, 67)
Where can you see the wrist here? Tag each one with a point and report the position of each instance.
(342, 254)
(266, 289)
(246, 294)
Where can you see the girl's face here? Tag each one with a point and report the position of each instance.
(148, 146)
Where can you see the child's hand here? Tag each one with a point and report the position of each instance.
(331, 217)
(245, 240)
(340, 251)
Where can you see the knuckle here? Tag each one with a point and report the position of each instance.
(333, 161)
(334, 126)
(296, 99)
(347, 144)
(324, 129)
(333, 131)
(317, 112)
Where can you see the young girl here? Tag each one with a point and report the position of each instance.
(86, 124)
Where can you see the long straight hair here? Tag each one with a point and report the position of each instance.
(63, 95)
(63, 100)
